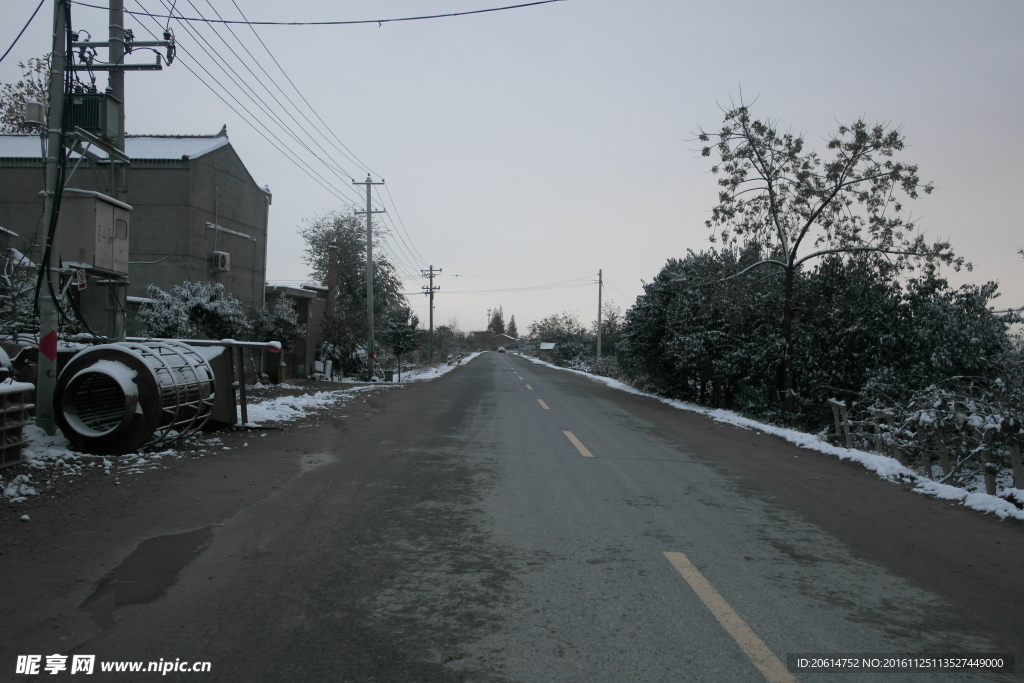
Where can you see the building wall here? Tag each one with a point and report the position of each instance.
(310, 307)
(169, 241)
(223, 193)
(21, 205)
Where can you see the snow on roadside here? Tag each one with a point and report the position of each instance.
(885, 467)
(287, 408)
(51, 456)
(434, 371)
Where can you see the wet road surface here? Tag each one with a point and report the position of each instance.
(510, 522)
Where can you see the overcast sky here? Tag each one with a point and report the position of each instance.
(532, 147)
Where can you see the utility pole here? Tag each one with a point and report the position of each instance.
(115, 85)
(371, 355)
(430, 291)
(119, 44)
(46, 379)
(600, 285)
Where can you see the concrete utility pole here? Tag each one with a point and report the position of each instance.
(600, 285)
(371, 354)
(115, 83)
(430, 291)
(119, 43)
(46, 379)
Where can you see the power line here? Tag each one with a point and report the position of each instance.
(235, 77)
(330, 23)
(247, 118)
(408, 248)
(343, 173)
(327, 159)
(512, 277)
(22, 31)
(568, 284)
(350, 155)
(402, 223)
(496, 253)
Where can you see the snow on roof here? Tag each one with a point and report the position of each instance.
(20, 147)
(136, 146)
(172, 146)
(547, 346)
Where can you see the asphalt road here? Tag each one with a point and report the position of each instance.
(510, 522)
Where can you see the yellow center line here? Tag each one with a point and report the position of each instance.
(529, 387)
(579, 446)
(543, 404)
(764, 659)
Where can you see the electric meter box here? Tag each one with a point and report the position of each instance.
(92, 231)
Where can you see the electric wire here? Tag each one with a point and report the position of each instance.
(616, 289)
(496, 253)
(235, 77)
(510, 290)
(347, 153)
(395, 231)
(22, 31)
(404, 248)
(343, 173)
(343, 149)
(338, 171)
(335, 23)
(561, 284)
(402, 223)
(252, 122)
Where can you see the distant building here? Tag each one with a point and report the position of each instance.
(196, 213)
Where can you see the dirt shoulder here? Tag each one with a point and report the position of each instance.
(82, 525)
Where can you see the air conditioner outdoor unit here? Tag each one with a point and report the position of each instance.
(220, 262)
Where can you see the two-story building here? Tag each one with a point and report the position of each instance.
(195, 214)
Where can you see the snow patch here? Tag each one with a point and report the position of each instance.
(885, 467)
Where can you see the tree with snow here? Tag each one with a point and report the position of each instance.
(400, 332)
(17, 293)
(344, 324)
(280, 323)
(798, 207)
(193, 309)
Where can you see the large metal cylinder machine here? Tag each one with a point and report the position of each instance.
(118, 398)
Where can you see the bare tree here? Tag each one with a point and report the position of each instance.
(31, 88)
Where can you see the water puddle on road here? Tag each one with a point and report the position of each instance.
(146, 573)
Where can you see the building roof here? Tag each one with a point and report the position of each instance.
(136, 146)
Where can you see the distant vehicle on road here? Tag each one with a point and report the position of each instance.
(501, 349)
